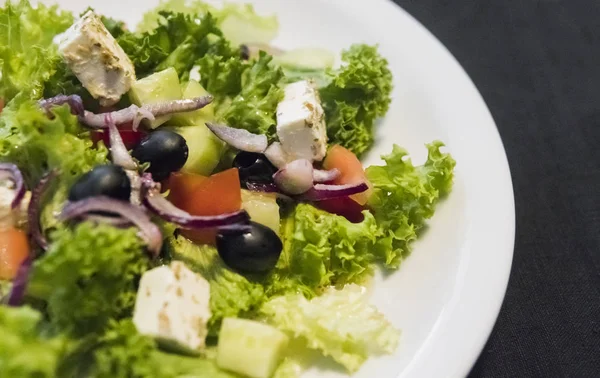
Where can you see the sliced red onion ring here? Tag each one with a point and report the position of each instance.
(149, 231)
(35, 208)
(169, 212)
(276, 155)
(241, 139)
(133, 113)
(74, 102)
(19, 284)
(295, 178)
(119, 154)
(9, 171)
(320, 175)
(113, 221)
(322, 192)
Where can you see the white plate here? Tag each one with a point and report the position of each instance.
(447, 294)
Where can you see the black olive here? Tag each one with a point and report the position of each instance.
(165, 150)
(103, 180)
(254, 168)
(255, 251)
(244, 52)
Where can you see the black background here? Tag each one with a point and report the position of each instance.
(537, 65)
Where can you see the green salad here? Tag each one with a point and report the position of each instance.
(185, 199)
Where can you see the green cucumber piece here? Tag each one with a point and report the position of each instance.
(193, 89)
(204, 149)
(250, 348)
(158, 87)
(262, 208)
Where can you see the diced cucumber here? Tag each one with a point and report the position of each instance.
(158, 87)
(205, 149)
(306, 59)
(190, 90)
(262, 208)
(250, 348)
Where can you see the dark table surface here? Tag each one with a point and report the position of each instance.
(537, 65)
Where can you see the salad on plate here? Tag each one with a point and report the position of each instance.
(184, 199)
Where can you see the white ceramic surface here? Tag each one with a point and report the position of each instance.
(447, 294)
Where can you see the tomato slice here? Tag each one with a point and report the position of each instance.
(345, 206)
(199, 195)
(351, 170)
(130, 138)
(14, 249)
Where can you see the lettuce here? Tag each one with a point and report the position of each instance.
(88, 277)
(239, 22)
(231, 294)
(405, 196)
(27, 56)
(357, 94)
(339, 323)
(322, 249)
(24, 352)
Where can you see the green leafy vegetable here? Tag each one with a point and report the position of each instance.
(405, 196)
(254, 107)
(176, 366)
(323, 249)
(24, 352)
(239, 22)
(358, 94)
(231, 294)
(339, 323)
(27, 56)
(89, 276)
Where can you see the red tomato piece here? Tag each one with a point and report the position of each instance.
(199, 195)
(130, 138)
(14, 249)
(351, 170)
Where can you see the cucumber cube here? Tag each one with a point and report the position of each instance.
(250, 348)
(204, 149)
(158, 87)
(262, 208)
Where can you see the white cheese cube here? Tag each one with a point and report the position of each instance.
(301, 122)
(9, 217)
(172, 305)
(96, 59)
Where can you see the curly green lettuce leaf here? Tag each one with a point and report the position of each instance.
(27, 56)
(24, 351)
(240, 22)
(339, 323)
(255, 106)
(89, 276)
(322, 249)
(358, 93)
(231, 294)
(405, 196)
(178, 41)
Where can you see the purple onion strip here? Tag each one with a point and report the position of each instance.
(119, 154)
(295, 178)
(9, 171)
(19, 284)
(149, 231)
(74, 102)
(276, 155)
(320, 175)
(35, 208)
(241, 139)
(322, 192)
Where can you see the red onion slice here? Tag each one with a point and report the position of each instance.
(320, 175)
(295, 177)
(322, 192)
(19, 284)
(276, 155)
(149, 231)
(241, 139)
(35, 208)
(74, 102)
(119, 154)
(179, 106)
(169, 212)
(9, 171)
(113, 221)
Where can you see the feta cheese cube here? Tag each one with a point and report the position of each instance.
(8, 216)
(301, 122)
(172, 305)
(96, 59)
